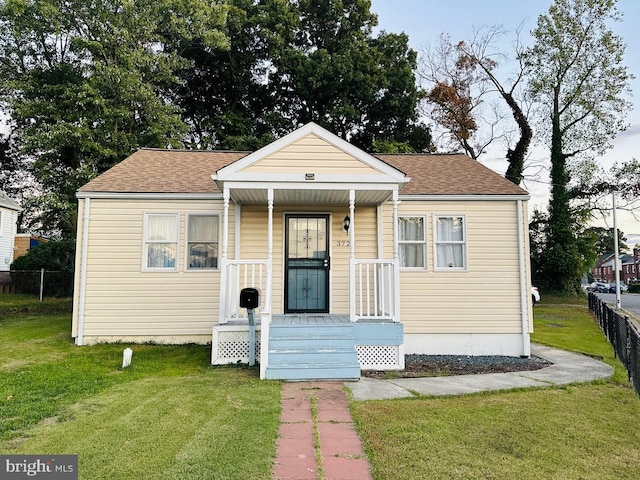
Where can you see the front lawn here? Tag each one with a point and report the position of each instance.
(579, 431)
(168, 416)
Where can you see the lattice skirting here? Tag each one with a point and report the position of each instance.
(380, 357)
(231, 345)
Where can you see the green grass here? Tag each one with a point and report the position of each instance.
(20, 303)
(169, 415)
(172, 416)
(580, 431)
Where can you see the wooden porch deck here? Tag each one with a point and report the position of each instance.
(309, 319)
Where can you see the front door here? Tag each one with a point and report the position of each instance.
(307, 264)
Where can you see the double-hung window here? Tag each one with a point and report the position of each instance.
(202, 241)
(412, 242)
(450, 241)
(161, 241)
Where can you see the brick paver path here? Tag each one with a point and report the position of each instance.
(319, 410)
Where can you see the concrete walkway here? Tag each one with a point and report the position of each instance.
(317, 437)
(567, 368)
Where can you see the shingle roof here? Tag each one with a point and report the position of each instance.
(449, 174)
(164, 171)
(189, 171)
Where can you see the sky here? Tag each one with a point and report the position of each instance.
(424, 20)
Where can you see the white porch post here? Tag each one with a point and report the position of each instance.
(265, 317)
(352, 256)
(222, 310)
(269, 249)
(396, 260)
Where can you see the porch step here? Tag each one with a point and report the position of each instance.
(312, 352)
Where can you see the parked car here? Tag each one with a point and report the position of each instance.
(535, 295)
(612, 288)
(601, 287)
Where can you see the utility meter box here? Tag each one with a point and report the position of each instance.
(249, 298)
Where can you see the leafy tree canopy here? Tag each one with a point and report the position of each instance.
(85, 84)
(581, 85)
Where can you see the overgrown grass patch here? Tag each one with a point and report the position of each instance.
(13, 303)
(580, 431)
(574, 328)
(169, 415)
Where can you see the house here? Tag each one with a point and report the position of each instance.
(605, 272)
(629, 267)
(359, 259)
(25, 242)
(9, 210)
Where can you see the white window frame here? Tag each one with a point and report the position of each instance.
(415, 242)
(463, 242)
(146, 242)
(187, 262)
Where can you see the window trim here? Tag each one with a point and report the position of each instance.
(145, 242)
(424, 242)
(464, 243)
(187, 268)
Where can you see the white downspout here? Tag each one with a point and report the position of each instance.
(83, 271)
(524, 295)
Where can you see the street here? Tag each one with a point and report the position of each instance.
(628, 301)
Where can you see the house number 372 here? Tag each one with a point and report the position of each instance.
(343, 243)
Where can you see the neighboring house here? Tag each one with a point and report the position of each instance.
(25, 242)
(629, 267)
(360, 259)
(9, 210)
(605, 272)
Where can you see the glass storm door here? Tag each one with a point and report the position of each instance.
(307, 264)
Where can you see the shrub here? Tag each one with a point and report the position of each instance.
(634, 288)
(57, 258)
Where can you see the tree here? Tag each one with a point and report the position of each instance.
(85, 83)
(604, 240)
(463, 75)
(580, 83)
(292, 62)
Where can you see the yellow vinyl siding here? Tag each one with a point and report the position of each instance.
(310, 154)
(485, 298)
(122, 299)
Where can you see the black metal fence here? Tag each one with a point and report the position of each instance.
(46, 283)
(623, 335)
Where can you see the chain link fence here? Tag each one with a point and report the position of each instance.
(623, 335)
(45, 283)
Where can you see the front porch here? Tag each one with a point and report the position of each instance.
(312, 346)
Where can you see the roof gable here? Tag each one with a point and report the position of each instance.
(8, 203)
(310, 150)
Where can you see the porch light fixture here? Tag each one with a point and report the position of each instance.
(346, 223)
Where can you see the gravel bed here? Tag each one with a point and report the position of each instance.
(445, 365)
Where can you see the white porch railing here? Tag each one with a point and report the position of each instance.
(239, 274)
(374, 290)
